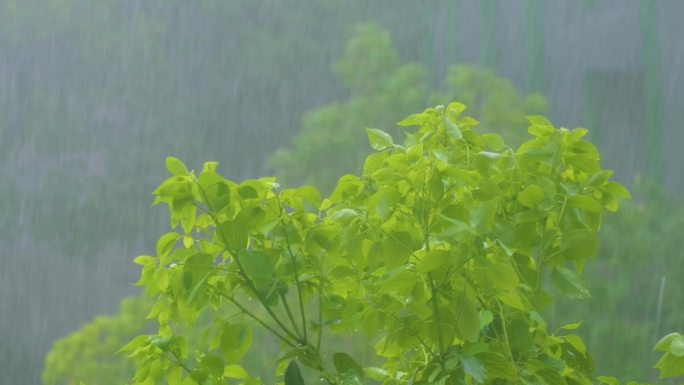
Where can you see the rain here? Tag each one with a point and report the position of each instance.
(94, 95)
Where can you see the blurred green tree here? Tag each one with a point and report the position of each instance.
(89, 354)
(331, 141)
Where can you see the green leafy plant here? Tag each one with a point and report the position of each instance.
(436, 253)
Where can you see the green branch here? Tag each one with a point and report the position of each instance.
(252, 315)
(283, 299)
(243, 273)
(296, 274)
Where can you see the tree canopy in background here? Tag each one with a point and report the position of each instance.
(331, 141)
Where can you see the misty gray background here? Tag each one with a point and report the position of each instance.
(94, 95)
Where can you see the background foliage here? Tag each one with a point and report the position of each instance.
(331, 140)
(86, 355)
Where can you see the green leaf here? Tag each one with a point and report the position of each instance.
(165, 244)
(178, 346)
(585, 202)
(486, 317)
(677, 346)
(599, 178)
(670, 365)
(199, 375)
(309, 194)
(452, 128)
(468, 321)
(162, 342)
(482, 214)
(135, 343)
(531, 196)
(257, 266)
(176, 166)
(292, 374)
(235, 341)
(576, 342)
(175, 376)
(571, 326)
(198, 286)
(608, 380)
(569, 283)
(497, 365)
(248, 192)
(309, 357)
(161, 278)
(345, 363)
(503, 275)
(454, 109)
(493, 141)
(188, 216)
(617, 189)
(379, 140)
(144, 260)
(377, 374)
(664, 344)
(235, 371)
(209, 166)
(474, 368)
(413, 120)
(433, 260)
(551, 377)
(539, 120)
(578, 245)
(213, 365)
(333, 301)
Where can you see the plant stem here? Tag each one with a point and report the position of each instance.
(320, 307)
(435, 309)
(251, 285)
(460, 301)
(253, 316)
(540, 262)
(296, 274)
(433, 288)
(283, 299)
(412, 332)
(177, 361)
(505, 331)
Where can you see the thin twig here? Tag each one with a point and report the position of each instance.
(252, 315)
(296, 274)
